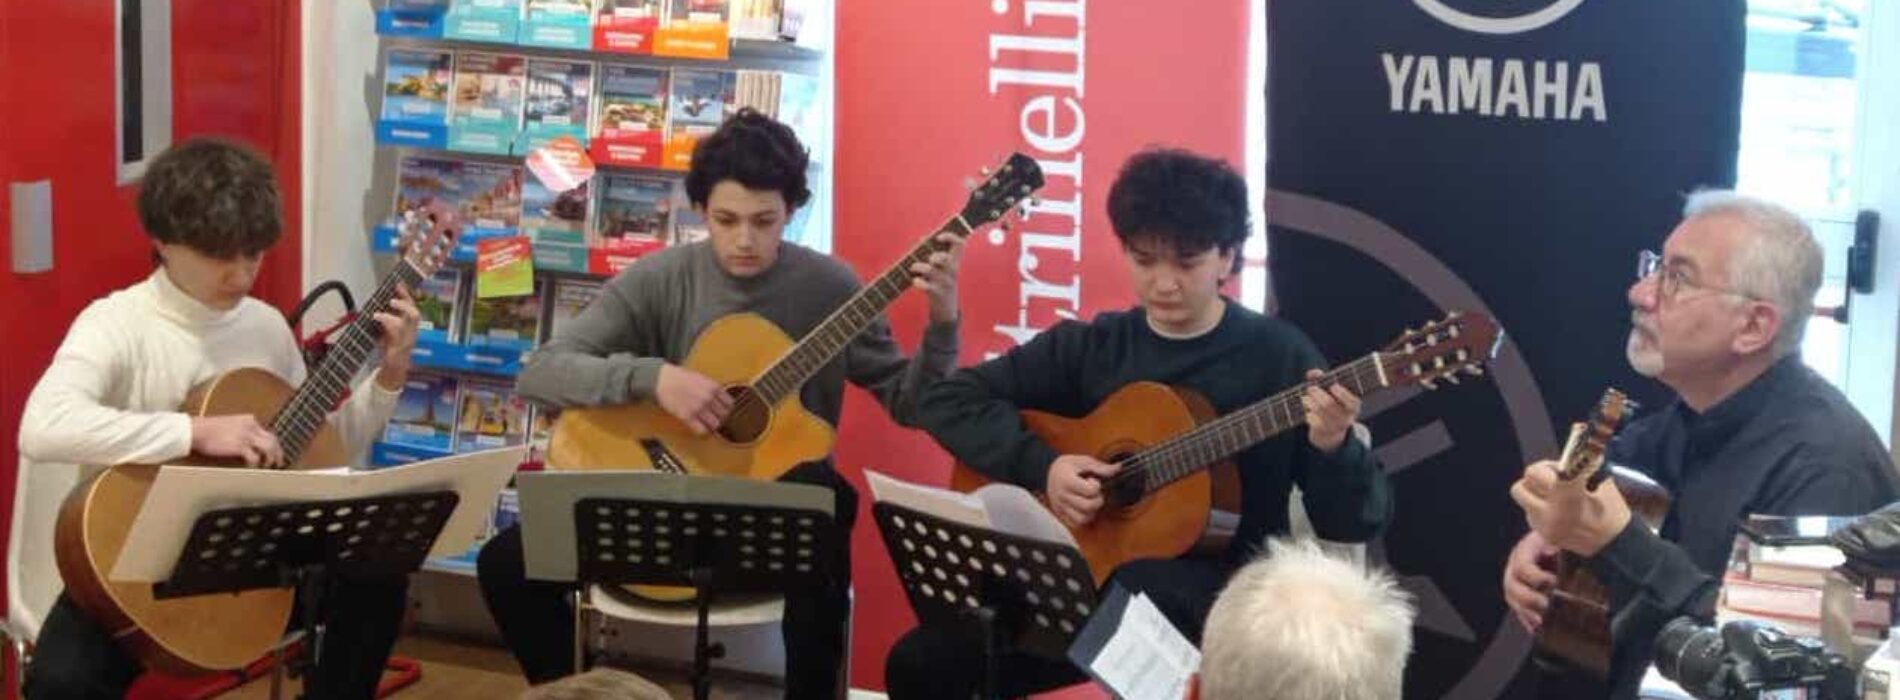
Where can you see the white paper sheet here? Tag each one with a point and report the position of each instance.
(949, 505)
(1146, 658)
(1005, 508)
(1013, 510)
(180, 494)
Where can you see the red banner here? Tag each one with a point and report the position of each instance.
(928, 93)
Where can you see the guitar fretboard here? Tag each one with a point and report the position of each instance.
(818, 348)
(1189, 452)
(297, 424)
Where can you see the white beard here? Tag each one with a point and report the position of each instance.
(1644, 357)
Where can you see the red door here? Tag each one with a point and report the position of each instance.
(235, 73)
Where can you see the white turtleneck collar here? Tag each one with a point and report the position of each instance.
(176, 304)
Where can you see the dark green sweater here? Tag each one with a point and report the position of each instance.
(1072, 367)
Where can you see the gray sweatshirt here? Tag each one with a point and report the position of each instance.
(651, 313)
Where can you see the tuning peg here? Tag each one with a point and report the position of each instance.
(1475, 370)
(1451, 377)
(1427, 383)
(969, 183)
(985, 170)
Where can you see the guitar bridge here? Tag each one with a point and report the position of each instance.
(663, 459)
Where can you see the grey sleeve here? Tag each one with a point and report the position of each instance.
(610, 354)
(874, 361)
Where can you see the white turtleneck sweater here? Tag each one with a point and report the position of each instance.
(113, 392)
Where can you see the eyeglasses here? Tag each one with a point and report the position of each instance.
(1673, 279)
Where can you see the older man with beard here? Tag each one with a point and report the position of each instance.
(1718, 318)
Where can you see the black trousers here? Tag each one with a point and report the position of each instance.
(75, 659)
(536, 618)
(943, 662)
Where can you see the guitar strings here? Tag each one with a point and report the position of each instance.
(1181, 455)
(775, 382)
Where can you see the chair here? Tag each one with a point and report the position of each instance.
(33, 582)
(730, 612)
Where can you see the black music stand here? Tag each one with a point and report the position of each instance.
(1021, 593)
(720, 535)
(304, 546)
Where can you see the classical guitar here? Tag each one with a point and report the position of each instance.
(1576, 629)
(218, 632)
(1172, 450)
(768, 430)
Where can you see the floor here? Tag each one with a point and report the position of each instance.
(457, 670)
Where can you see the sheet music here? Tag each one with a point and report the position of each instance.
(1147, 658)
(1005, 508)
(1013, 510)
(952, 506)
(180, 494)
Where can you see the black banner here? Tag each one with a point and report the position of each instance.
(1504, 156)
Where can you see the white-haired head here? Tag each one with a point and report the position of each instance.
(1780, 264)
(1300, 624)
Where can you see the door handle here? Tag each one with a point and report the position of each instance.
(31, 225)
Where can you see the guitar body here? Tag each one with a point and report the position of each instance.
(1168, 522)
(1576, 630)
(180, 636)
(732, 351)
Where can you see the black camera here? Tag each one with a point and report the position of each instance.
(1748, 659)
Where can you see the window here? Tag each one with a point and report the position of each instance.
(1800, 102)
(144, 82)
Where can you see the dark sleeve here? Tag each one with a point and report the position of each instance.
(607, 355)
(974, 412)
(874, 361)
(1651, 581)
(1347, 495)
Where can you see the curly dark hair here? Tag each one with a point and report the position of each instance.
(1182, 200)
(756, 151)
(214, 196)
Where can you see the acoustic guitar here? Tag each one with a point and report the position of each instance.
(1173, 451)
(219, 632)
(768, 430)
(1576, 629)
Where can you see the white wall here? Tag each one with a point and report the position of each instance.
(348, 182)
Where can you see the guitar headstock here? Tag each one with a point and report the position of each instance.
(1008, 187)
(428, 237)
(1441, 350)
(1588, 441)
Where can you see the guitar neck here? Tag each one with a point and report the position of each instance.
(300, 419)
(819, 347)
(1218, 439)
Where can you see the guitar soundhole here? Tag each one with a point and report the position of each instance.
(1125, 489)
(749, 416)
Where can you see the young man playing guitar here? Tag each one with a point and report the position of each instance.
(747, 178)
(1182, 219)
(1718, 317)
(112, 394)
